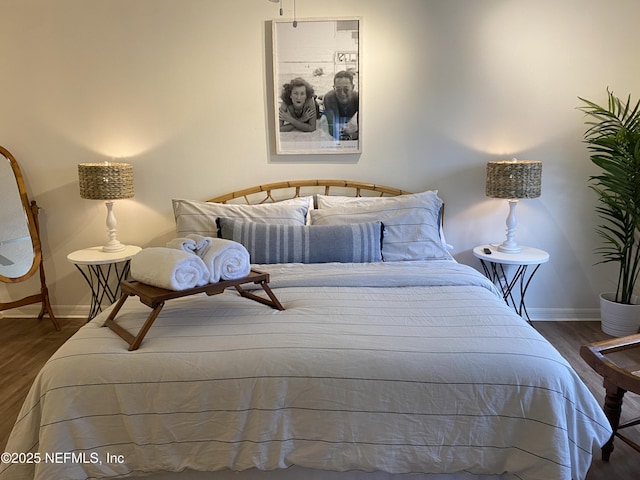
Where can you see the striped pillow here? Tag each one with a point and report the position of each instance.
(197, 217)
(412, 224)
(271, 243)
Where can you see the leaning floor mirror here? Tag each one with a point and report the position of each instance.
(20, 247)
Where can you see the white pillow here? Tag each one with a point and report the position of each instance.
(411, 222)
(331, 201)
(200, 217)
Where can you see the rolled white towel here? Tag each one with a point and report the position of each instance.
(169, 268)
(182, 243)
(200, 241)
(225, 259)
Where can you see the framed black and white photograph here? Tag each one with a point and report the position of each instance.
(317, 80)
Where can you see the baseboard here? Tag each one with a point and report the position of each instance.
(564, 314)
(60, 311)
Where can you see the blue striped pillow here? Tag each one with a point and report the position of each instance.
(272, 243)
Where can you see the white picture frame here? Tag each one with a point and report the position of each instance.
(323, 54)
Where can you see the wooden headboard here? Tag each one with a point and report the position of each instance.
(274, 192)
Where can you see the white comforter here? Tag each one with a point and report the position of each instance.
(417, 367)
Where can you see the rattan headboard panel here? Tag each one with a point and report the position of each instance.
(273, 192)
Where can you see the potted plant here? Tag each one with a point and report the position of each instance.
(613, 139)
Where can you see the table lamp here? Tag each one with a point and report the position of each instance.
(513, 179)
(107, 181)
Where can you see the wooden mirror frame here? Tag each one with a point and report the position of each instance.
(31, 214)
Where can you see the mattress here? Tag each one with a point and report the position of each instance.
(389, 368)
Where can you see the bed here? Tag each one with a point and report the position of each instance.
(400, 363)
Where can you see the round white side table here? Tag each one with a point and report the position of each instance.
(103, 271)
(494, 262)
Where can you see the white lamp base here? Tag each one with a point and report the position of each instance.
(508, 248)
(510, 245)
(113, 245)
(110, 248)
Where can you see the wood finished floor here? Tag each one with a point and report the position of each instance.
(28, 343)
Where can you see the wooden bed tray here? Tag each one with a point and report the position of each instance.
(154, 297)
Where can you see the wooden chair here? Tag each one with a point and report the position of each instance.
(618, 362)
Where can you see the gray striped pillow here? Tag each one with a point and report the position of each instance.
(271, 243)
(411, 222)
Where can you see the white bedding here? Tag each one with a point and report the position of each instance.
(417, 367)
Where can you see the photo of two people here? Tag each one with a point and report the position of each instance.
(317, 86)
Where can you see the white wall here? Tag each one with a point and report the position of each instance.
(179, 89)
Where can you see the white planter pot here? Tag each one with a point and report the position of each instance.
(619, 319)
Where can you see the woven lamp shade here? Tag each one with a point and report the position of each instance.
(105, 181)
(514, 179)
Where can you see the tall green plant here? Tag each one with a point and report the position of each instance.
(613, 139)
